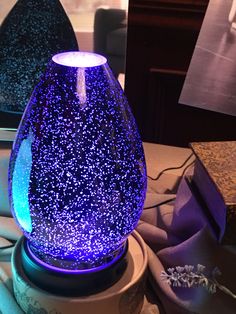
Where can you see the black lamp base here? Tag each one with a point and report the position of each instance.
(67, 283)
(125, 296)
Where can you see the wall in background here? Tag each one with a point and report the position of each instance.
(81, 14)
(5, 6)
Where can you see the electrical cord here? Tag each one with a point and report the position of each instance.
(7, 246)
(13, 242)
(167, 169)
(171, 168)
(188, 166)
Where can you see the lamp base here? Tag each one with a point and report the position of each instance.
(67, 282)
(125, 296)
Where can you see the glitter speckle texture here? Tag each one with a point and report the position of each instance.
(30, 35)
(87, 179)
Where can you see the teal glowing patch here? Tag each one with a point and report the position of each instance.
(20, 184)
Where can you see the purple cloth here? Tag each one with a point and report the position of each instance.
(180, 235)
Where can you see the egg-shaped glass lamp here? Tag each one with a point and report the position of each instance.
(77, 176)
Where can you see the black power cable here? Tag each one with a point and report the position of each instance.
(7, 246)
(171, 168)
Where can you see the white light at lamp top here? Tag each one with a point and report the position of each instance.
(79, 59)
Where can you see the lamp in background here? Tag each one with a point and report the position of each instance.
(77, 177)
(32, 32)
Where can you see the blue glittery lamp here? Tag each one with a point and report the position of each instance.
(32, 32)
(77, 176)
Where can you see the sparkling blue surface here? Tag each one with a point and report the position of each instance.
(85, 171)
(32, 32)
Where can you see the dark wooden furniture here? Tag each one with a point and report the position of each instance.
(161, 40)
